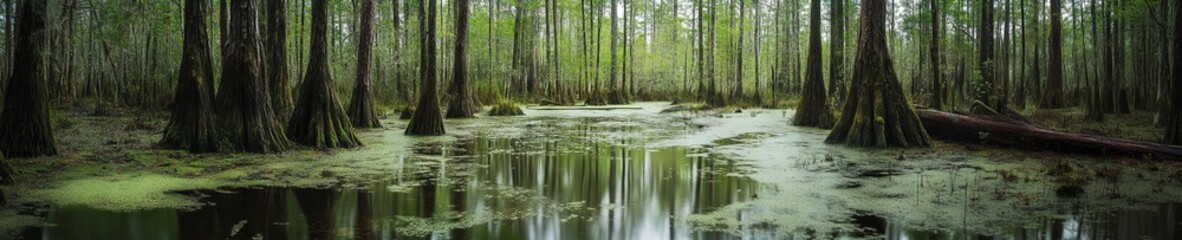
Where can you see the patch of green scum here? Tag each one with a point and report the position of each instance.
(125, 192)
(11, 222)
(741, 138)
(819, 187)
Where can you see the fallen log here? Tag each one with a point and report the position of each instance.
(989, 130)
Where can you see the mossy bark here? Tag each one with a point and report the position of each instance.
(319, 121)
(246, 121)
(1174, 118)
(427, 120)
(814, 104)
(361, 108)
(192, 125)
(876, 113)
(24, 121)
(278, 79)
(837, 84)
(461, 105)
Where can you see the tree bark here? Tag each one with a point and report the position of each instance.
(814, 104)
(25, 117)
(614, 92)
(192, 125)
(246, 120)
(319, 121)
(937, 95)
(427, 120)
(277, 76)
(1054, 89)
(361, 110)
(985, 89)
(461, 105)
(876, 113)
(1174, 122)
(837, 85)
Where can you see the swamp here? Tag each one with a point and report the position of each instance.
(530, 119)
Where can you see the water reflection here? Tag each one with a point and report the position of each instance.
(473, 189)
(531, 187)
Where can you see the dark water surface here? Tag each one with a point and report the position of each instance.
(536, 187)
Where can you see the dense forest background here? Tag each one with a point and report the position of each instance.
(754, 52)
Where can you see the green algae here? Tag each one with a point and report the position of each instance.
(125, 192)
(805, 186)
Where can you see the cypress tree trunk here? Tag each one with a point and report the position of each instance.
(614, 95)
(1094, 111)
(1054, 92)
(937, 98)
(246, 121)
(319, 120)
(1020, 93)
(277, 76)
(24, 121)
(427, 120)
(985, 89)
(461, 105)
(814, 104)
(876, 113)
(1174, 122)
(192, 125)
(837, 84)
(361, 107)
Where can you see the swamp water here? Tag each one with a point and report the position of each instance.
(637, 174)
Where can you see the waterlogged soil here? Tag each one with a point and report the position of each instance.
(582, 174)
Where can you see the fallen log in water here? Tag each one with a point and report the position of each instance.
(982, 129)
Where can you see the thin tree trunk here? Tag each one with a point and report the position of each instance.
(837, 84)
(1054, 89)
(937, 94)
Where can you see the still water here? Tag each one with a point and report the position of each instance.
(556, 183)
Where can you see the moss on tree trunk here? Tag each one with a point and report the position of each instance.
(246, 121)
(814, 104)
(278, 79)
(192, 124)
(319, 121)
(24, 122)
(461, 105)
(876, 113)
(1174, 118)
(361, 108)
(427, 120)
